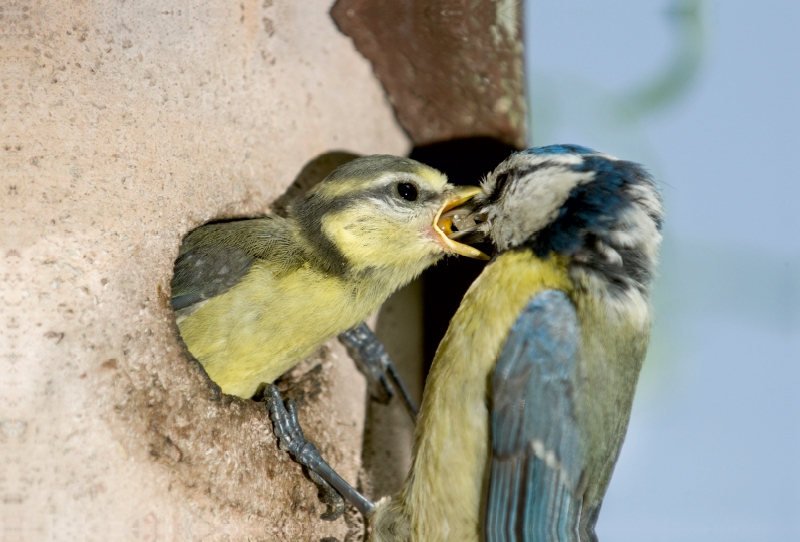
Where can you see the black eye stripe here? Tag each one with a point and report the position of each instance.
(407, 191)
(499, 185)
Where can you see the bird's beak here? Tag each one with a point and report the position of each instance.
(443, 221)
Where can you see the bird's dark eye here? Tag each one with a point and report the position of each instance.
(407, 191)
(499, 185)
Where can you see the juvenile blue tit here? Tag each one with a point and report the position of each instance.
(254, 297)
(528, 399)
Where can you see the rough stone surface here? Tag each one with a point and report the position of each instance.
(452, 68)
(389, 430)
(123, 125)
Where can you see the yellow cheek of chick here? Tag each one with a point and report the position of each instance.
(255, 297)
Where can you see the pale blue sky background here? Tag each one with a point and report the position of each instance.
(708, 100)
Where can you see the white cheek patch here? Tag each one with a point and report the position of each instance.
(529, 204)
(635, 227)
(524, 161)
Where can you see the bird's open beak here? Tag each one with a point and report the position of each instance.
(443, 221)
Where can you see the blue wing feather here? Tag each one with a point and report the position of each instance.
(536, 461)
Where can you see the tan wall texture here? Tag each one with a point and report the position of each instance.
(123, 125)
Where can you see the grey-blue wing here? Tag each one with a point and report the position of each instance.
(536, 457)
(215, 257)
(207, 271)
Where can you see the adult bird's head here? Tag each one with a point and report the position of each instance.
(601, 215)
(380, 214)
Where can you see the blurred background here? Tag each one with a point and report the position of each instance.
(706, 95)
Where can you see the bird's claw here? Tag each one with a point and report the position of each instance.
(374, 362)
(286, 426)
(330, 497)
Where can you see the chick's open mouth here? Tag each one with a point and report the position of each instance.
(451, 212)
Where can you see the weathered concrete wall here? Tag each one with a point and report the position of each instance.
(123, 125)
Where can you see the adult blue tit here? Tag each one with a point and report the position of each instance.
(528, 398)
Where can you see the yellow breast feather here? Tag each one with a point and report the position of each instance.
(450, 451)
(263, 318)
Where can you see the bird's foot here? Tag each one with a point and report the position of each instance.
(286, 426)
(374, 362)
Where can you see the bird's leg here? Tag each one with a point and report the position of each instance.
(286, 426)
(372, 359)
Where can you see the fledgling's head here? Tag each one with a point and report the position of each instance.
(601, 213)
(381, 213)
